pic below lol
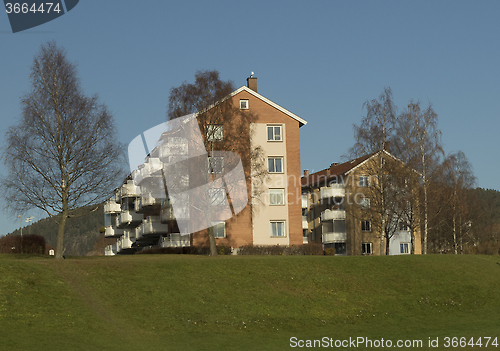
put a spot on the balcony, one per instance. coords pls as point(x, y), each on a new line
point(149, 169)
point(328, 215)
point(147, 203)
point(168, 215)
point(111, 206)
point(175, 240)
point(335, 237)
point(129, 189)
point(112, 232)
point(334, 190)
point(304, 201)
point(128, 219)
point(110, 250)
point(153, 227)
point(305, 225)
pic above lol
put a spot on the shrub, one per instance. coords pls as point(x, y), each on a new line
point(330, 251)
point(307, 249)
point(30, 244)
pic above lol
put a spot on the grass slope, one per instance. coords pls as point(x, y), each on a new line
point(178, 302)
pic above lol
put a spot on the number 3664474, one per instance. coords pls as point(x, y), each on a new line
point(17, 7)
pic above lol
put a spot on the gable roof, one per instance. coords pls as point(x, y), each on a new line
point(336, 170)
point(301, 121)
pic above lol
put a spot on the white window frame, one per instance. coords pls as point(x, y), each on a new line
point(217, 196)
point(244, 105)
point(404, 248)
point(367, 228)
point(369, 246)
point(275, 195)
point(211, 169)
point(364, 181)
point(365, 203)
point(215, 132)
point(216, 229)
point(277, 235)
point(403, 226)
point(274, 158)
point(275, 136)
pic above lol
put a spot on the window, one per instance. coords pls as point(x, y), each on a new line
point(274, 133)
point(364, 181)
point(365, 203)
point(244, 104)
point(304, 233)
point(277, 228)
point(404, 248)
point(404, 226)
point(217, 196)
point(216, 164)
point(219, 229)
point(366, 249)
point(340, 248)
point(275, 164)
point(276, 196)
point(215, 132)
point(366, 226)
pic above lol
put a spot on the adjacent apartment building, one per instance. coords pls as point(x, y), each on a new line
point(139, 217)
point(346, 207)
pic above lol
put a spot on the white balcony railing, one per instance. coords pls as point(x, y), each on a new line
point(110, 250)
point(175, 240)
point(328, 215)
point(151, 168)
point(152, 225)
point(113, 232)
point(128, 218)
point(304, 201)
point(334, 190)
point(305, 225)
point(129, 189)
point(334, 237)
point(111, 206)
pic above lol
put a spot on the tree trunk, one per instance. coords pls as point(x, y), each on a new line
point(60, 235)
point(211, 238)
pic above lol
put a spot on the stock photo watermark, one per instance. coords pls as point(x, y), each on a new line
point(28, 14)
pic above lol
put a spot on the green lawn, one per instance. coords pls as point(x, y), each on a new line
point(181, 302)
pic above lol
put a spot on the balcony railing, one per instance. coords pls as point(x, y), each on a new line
point(129, 219)
point(333, 237)
point(328, 215)
point(167, 213)
point(334, 190)
point(129, 189)
point(305, 225)
point(113, 232)
point(175, 240)
point(304, 201)
point(111, 206)
point(110, 250)
point(153, 226)
point(151, 168)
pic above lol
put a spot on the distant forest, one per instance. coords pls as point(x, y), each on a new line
point(81, 234)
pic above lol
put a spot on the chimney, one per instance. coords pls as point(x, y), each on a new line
point(252, 82)
point(306, 173)
point(387, 146)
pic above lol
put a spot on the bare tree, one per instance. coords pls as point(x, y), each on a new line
point(459, 179)
point(373, 135)
point(224, 127)
point(62, 154)
point(418, 143)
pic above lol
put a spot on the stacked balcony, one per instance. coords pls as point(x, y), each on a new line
point(334, 190)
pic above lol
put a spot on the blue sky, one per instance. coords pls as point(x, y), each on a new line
point(319, 59)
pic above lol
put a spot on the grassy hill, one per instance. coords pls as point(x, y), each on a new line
point(181, 302)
